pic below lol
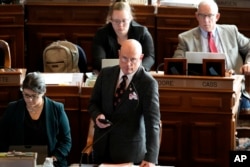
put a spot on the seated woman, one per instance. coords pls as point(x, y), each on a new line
point(120, 27)
point(36, 120)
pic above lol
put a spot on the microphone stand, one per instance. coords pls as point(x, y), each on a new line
point(159, 66)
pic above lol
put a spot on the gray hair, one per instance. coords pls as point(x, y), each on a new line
point(35, 82)
point(211, 3)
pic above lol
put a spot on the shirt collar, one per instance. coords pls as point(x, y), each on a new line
point(204, 33)
point(130, 76)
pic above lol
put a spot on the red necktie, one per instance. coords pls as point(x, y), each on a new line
point(120, 90)
point(211, 42)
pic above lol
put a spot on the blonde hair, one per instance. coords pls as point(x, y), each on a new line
point(119, 5)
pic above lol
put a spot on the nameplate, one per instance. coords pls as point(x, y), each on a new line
point(12, 76)
point(199, 82)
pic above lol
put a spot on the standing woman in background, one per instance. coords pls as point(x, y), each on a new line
point(120, 27)
point(36, 120)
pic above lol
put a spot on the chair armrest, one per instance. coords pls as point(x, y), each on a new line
point(87, 150)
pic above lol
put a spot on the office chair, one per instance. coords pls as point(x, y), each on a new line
point(5, 57)
point(87, 150)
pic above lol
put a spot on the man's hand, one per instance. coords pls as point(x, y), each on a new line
point(245, 69)
point(147, 164)
point(99, 124)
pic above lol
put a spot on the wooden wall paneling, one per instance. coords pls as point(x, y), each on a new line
point(85, 40)
point(171, 146)
point(145, 15)
point(205, 142)
point(170, 22)
point(236, 16)
point(12, 31)
point(74, 22)
point(43, 39)
point(8, 93)
point(69, 96)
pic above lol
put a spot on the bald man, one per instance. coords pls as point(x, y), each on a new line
point(133, 135)
point(227, 39)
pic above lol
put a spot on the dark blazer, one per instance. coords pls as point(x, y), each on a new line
point(134, 135)
point(57, 127)
point(105, 44)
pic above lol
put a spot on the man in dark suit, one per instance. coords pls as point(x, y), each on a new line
point(134, 133)
point(227, 40)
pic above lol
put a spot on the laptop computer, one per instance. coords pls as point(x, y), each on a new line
point(195, 60)
point(41, 150)
point(179, 3)
point(109, 62)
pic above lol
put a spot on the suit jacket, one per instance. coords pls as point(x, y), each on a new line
point(57, 128)
point(134, 135)
point(235, 45)
point(105, 44)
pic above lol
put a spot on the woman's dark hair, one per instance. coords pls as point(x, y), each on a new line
point(35, 82)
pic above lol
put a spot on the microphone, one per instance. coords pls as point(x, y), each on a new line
point(158, 67)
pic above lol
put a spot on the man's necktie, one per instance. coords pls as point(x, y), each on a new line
point(211, 43)
point(120, 90)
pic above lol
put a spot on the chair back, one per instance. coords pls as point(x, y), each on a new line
point(5, 57)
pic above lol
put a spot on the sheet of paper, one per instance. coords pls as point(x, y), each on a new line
point(117, 165)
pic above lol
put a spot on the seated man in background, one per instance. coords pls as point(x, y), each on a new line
point(227, 39)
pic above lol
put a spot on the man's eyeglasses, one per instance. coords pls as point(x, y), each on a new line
point(118, 22)
point(126, 60)
point(204, 16)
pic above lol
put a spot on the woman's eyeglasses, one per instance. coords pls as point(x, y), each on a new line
point(118, 22)
point(33, 96)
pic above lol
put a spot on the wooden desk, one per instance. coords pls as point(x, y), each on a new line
point(10, 82)
point(198, 123)
point(198, 119)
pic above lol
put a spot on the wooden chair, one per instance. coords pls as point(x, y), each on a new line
point(87, 150)
point(5, 57)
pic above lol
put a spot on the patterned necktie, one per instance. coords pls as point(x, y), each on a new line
point(120, 90)
point(211, 43)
